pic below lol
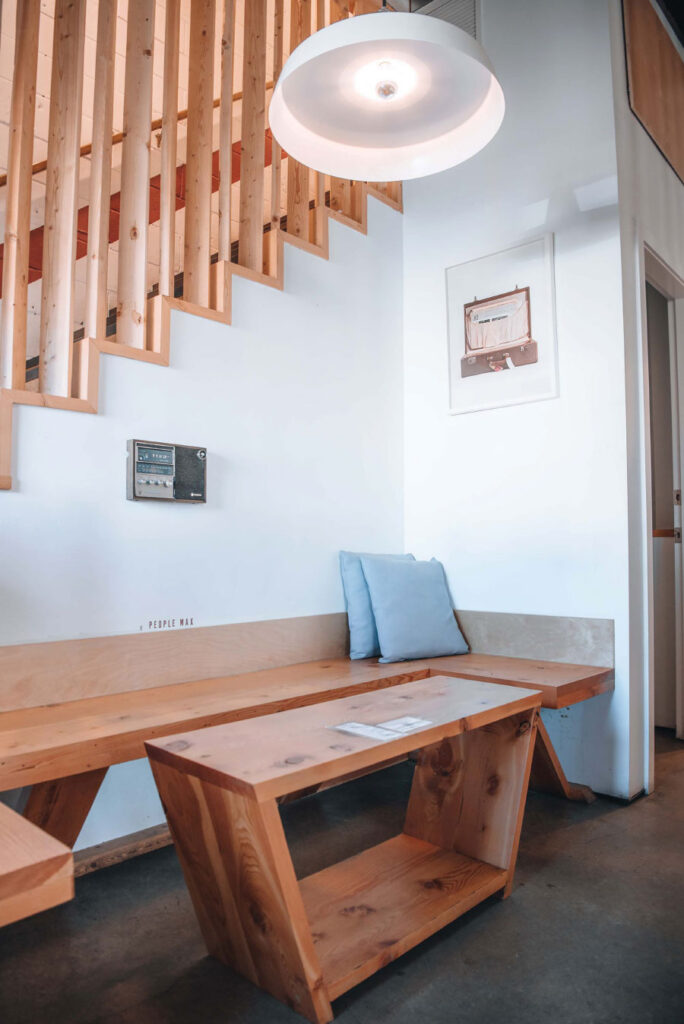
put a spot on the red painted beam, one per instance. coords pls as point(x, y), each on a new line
point(36, 238)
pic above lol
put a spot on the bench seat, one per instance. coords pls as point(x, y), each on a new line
point(55, 741)
point(36, 871)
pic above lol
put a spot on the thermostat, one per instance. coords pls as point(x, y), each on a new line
point(166, 472)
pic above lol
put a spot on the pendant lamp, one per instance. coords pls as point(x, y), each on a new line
point(386, 97)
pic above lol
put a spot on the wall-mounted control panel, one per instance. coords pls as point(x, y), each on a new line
point(166, 472)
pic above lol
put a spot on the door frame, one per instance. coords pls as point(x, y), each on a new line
point(658, 274)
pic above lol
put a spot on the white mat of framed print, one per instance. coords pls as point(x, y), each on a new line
point(502, 328)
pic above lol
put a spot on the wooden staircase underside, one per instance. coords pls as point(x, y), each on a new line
point(87, 352)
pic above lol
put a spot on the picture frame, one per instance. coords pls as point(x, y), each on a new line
point(501, 328)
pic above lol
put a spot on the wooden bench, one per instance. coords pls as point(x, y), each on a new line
point(64, 750)
point(36, 871)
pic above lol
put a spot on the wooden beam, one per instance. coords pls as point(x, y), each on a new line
point(61, 198)
point(135, 175)
point(226, 129)
point(199, 153)
point(169, 150)
point(298, 174)
point(97, 305)
point(60, 807)
point(15, 270)
point(251, 248)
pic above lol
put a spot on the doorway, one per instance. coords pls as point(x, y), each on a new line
point(665, 354)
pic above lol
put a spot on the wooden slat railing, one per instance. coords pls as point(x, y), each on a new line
point(169, 150)
point(61, 195)
point(265, 198)
point(199, 156)
point(15, 271)
point(253, 127)
point(135, 175)
point(100, 185)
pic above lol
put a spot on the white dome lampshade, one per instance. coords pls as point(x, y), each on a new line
point(386, 97)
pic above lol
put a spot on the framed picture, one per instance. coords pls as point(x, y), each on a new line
point(502, 328)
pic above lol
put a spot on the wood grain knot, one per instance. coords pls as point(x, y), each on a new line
point(493, 783)
point(523, 728)
point(361, 910)
point(434, 883)
point(292, 759)
point(259, 918)
point(178, 745)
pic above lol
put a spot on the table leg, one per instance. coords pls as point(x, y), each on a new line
point(468, 792)
point(238, 869)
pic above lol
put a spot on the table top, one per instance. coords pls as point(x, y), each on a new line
point(276, 754)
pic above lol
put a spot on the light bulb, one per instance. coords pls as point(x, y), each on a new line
point(385, 79)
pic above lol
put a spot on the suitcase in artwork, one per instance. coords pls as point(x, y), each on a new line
point(498, 334)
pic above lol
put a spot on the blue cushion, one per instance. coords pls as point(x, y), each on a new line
point(412, 608)
point(363, 636)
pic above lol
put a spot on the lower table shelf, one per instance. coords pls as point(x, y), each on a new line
point(366, 911)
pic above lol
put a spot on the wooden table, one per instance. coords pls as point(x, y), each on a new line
point(308, 941)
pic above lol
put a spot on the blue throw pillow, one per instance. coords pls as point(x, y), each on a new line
point(363, 636)
point(412, 608)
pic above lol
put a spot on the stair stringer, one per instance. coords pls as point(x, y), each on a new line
point(87, 352)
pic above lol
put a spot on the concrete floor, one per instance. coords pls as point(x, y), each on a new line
point(593, 933)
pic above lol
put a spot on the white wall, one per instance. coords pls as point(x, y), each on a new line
point(299, 404)
point(527, 505)
point(651, 213)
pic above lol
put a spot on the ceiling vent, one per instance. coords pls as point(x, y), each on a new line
point(461, 13)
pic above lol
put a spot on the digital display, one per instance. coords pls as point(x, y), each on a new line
point(156, 455)
point(146, 467)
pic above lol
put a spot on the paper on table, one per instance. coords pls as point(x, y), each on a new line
point(406, 724)
point(384, 730)
point(372, 732)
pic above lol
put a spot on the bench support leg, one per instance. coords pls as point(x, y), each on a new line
point(60, 806)
point(548, 775)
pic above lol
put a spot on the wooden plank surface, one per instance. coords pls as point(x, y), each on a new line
point(561, 684)
point(251, 248)
point(243, 887)
point(67, 670)
point(135, 176)
point(655, 72)
point(15, 269)
point(61, 195)
point(67, 737)
point(36, 871)
point(39, 744)
point(278, 754)
point(370, 909)
point(198, 164)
